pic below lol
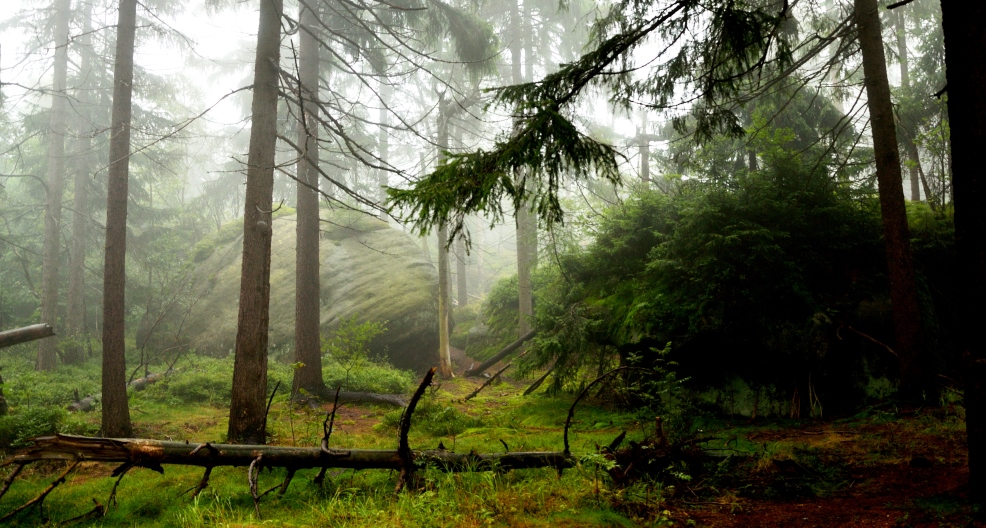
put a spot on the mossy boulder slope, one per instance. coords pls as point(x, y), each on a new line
point(369, 270)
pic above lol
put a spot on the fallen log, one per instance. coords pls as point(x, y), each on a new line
point(26, 334)
point(506, 351)
point(142, 383)
point(83, 405)
point(365, 397)
point(152, 454)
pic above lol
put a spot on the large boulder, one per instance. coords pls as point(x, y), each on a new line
point(369, 270)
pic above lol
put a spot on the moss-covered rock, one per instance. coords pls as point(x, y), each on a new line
point(368, 270)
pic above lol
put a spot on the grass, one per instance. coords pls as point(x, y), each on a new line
point(771, 467)
point(346, 498)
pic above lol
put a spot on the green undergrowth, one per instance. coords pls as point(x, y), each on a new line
point(742, 461)
point(499, 417)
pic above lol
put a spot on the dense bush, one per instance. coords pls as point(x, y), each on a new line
point(753, 277)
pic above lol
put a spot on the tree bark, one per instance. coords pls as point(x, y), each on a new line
point(75, 316)
point(307, 342)
point(47, 349)
point(116, 412)
point(248, 405)
point(915, 367)
point(963, 24)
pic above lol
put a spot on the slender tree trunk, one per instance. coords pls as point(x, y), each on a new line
point(383, 136)
point(526, 223)
point(444, 352)
point(444, 296)
point(307, 345)
point(963, 24)
point(247, 420)
point(644, 150)
point(461, 281)
point(905, 84)
point(47, 348)
point(75, 316)
point(915, 367)
point(116, 412)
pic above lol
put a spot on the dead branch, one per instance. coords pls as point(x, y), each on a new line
point(571, 410)
point(403, 449)
point(40, 498)
point(331, 420)
point(10, 479)
point(537, 383)
point(506, 351)
point(488, 382)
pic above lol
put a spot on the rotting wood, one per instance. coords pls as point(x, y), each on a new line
point(83, 405)
point(143, 383)
point(25, 334)
point(153, 454)
point(506, 351)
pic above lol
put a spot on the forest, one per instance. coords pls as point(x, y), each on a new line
point(492, 263)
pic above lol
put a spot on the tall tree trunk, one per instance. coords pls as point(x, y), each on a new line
point(444, 297)
point(47, 348)
point(75, 316)
point(644, 150)
point(915, 367)
point(116, 412)
point(247, 420)
point(905, 84)
point(461, 281)
point(963, 24)
point(307, 345)
point(526, 223)
point(383, 136)
point(444, 352)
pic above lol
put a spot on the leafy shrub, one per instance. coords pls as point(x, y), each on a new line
point(25, 387)
point(16, 429)
point(372, 377)
point(349, 346)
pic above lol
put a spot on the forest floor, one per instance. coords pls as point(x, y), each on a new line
point(884, 466)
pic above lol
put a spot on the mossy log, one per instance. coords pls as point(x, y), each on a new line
point(26, 334)
point(153, 454)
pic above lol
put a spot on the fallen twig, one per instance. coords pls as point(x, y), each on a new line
point(40, 498)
